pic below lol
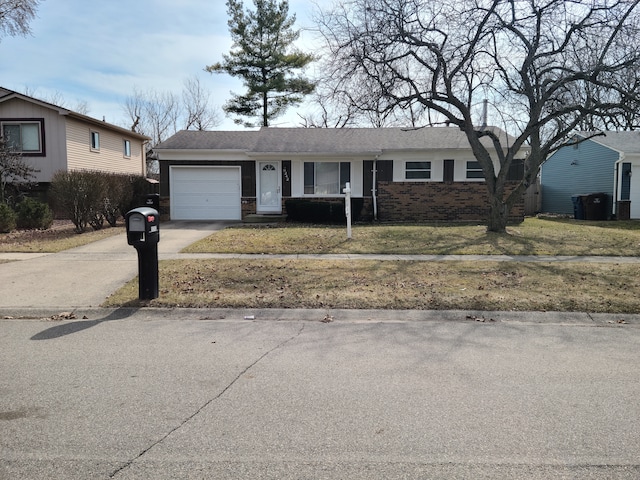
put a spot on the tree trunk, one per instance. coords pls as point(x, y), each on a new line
point(498, 215)
point(265, 110)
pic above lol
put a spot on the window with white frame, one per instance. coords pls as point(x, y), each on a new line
point(24, 137)
point(127, 148)
point(474, 170)
point(326, 178)
point(95, 140)
point(417, 170)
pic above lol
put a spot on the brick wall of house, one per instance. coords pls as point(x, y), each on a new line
point(419, 202)
point(248, 206)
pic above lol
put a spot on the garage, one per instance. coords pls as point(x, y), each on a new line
point(205, 193)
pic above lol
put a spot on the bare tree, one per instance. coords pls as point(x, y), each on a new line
point(153, 113)
point(15, 16)
point(57, 98)
point(539, 62)
point(198, 112)
point(161, 114)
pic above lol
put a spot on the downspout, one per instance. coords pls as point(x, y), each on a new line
point(616, 182)
point(373, 188)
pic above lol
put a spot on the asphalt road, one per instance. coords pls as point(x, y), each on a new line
point(158, 395)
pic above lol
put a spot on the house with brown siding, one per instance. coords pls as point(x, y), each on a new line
point(414, 175)
point(52, 138)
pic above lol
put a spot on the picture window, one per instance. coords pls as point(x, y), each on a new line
point(23, 137)
point(326, 178)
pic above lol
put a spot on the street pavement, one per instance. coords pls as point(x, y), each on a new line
point(197, 395)
point(301, 394)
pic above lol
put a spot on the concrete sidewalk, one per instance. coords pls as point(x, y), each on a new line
point(85, 276)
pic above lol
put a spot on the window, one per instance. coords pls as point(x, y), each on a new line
point(127, 148)
point(24, 137)
point(95, 140)
point(417, 170)
point(326, 178)
point(474, 170)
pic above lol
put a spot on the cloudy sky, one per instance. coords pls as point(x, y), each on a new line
point(99, 52)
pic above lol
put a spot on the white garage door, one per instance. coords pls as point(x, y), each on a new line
point(205, 193)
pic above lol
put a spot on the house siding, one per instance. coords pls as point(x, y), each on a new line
point(110, 157)
point(575, 170)
point(54, 136)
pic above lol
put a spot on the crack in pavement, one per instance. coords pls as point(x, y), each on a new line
point(206, 404)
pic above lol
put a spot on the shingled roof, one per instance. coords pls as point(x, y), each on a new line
point(627, 141)
point(333, 141)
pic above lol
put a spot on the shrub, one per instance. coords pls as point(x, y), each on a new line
point(79, 196)
point(318, 211)
point(34, 214)
point(7, 218)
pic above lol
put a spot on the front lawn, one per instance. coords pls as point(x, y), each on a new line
point(534, 236)
point(61, 236)
point(369, 284)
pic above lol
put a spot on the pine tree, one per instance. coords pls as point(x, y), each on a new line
point(263, 56)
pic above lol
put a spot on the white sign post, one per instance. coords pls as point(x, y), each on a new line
point(347, 207)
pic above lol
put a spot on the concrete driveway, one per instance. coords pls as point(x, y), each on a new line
point(85, 276)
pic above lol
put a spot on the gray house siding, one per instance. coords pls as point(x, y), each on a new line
point(577, 169)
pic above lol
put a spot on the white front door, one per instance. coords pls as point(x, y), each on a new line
point(269, 188)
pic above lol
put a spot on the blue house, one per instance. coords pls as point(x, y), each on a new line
point(600, 164)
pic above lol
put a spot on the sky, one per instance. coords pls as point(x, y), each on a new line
point(100, 52)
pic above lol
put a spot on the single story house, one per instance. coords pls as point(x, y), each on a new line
point(601, 164)
point(424, 174)
point(53, 138)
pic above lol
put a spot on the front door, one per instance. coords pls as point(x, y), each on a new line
point(269, 188)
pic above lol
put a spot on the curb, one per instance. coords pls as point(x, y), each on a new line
point(323, 315)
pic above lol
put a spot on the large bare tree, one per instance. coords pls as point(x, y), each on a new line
point(546, 65)
point(15, 16)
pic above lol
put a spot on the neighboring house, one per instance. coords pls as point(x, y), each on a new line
point(600, 164)
point(403, 175)
point(53, 138)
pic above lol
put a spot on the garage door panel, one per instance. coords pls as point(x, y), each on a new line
point(205, 193)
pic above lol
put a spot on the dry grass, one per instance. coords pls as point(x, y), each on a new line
point(393, 285)
point(56, 239)
point(533, 237)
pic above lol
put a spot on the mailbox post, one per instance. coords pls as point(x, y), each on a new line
point(143, 232)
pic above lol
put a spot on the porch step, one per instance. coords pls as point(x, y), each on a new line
point(264, 218)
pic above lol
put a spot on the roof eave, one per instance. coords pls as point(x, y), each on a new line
point(111, 126)
point(290, 153)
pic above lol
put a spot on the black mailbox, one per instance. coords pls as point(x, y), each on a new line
point(143, 226)
point(143, 232)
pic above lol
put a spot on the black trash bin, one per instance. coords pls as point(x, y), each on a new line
point(152, 200)
point(578, 206)
point(595, 206)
